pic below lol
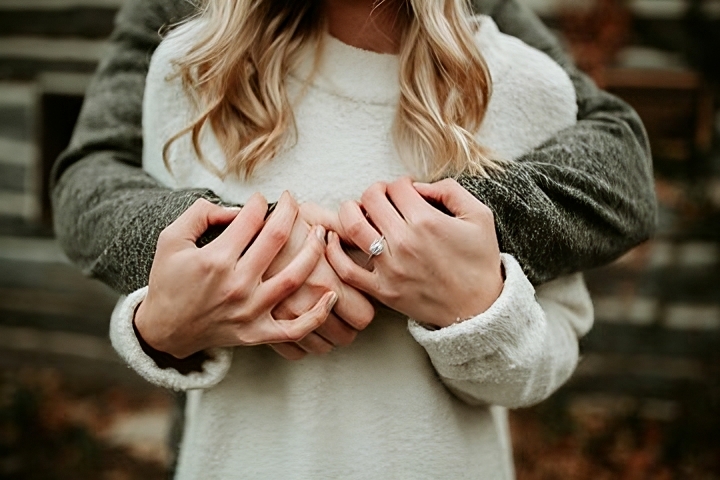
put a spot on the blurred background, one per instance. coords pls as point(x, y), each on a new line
point(645, 401)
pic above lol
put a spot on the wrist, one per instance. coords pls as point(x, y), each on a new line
point(477, 305)
point(190, 364)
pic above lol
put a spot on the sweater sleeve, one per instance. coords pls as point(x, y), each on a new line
point(108, 212)
point(124, 340)
point(589, 188)
point(522, 349)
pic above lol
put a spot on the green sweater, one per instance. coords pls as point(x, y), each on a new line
point(576, 202)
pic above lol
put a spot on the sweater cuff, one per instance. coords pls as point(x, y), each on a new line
point(510, 331)
point(126, 343)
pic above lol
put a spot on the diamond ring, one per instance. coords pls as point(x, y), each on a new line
point(377, 247)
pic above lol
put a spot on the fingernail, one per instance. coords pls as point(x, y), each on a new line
point(233, 209)
point(320, 233)
point(333, 300)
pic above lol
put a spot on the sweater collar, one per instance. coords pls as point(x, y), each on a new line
point(369, 77)
point(349, 72)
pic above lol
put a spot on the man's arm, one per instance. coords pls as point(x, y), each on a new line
point(108, 211)
point(584, 197)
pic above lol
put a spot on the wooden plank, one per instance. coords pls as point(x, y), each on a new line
point(29, 250)
point(654, 340)
point(98, 327)
point(13, 68)
point(86, 22)
point(671, 284)
point(82, 304)
point(17, 123)
point(13, 178)
point(643, 386)
point(66, 49)
point(17, 152)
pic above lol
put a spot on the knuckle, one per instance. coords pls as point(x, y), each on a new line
point(288, 283)
point(277, 236)
point(426, 222)
point(165, 237)
point(346, 273)
point(485, 212)
point(403, 245)
point(295, 336)
point(366, 319)
point(377, 188)
point(448, 183)
point(254, 216)
point(213, 261)
point(206, 264)
point(354, 229)
point(391, 295)
point(201, 203)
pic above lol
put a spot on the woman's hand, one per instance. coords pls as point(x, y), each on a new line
point(436, 268)
point(352, 312)
point(218, 296)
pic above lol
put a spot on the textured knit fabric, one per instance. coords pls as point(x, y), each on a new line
point(589, 188)
point(370, 410)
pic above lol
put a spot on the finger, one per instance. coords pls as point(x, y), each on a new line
point(289, 351)
point(407, 200)
point(449, 193)
point(336, 332)
point(190, 226)
point(315, 344)
point(238, 235)
point(353, 309)
point(357, 229)
point(348, 271)
point(293, 276)
point(381, 211)
point(314, 214)
point(272, 238)
point(297, 329)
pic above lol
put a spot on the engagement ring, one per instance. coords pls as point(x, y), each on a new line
point(377, 247)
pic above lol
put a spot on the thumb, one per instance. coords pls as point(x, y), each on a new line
point(196, 220)
point(451, 195)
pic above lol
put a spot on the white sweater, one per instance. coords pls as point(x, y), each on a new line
point(402, 401)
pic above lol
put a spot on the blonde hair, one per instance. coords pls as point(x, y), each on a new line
point(235, 74)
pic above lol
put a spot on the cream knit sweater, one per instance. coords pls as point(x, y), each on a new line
point(402, 401)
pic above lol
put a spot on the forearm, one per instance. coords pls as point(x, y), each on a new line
point(584, 197)
point(108, 216)
point(108, 212)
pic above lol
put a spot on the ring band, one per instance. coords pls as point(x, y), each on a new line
point(377, 247)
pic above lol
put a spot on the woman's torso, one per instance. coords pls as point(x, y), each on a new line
point(375, 409)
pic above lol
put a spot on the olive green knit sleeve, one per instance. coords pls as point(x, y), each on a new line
point(580, 200)
point(584, 197)
point(108, 212)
